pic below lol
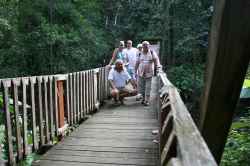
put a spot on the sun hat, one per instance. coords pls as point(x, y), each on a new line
point(139, 45)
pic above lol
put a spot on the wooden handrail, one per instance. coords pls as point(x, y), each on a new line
point(180, 142)
point(79, 94)
point(53, 99)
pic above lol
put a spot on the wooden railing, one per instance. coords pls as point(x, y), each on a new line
point(180, 142)
point(55, 101)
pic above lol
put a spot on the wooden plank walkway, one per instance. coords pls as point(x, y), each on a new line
point(115, 135)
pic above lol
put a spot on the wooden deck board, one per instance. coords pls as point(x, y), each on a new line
point(115, 135)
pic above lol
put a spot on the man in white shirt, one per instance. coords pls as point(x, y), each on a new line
point(117, 81)
point(131, 52)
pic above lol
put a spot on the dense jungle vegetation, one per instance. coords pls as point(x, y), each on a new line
point(43, 37)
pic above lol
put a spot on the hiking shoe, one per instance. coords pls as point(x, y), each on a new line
point(116, 102)
point(121, 100)
point(147, 103)
point(143, 101)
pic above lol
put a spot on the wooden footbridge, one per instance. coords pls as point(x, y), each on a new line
point(122, 135)
point(114, 135)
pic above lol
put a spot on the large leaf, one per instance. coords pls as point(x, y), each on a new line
point(246, 83)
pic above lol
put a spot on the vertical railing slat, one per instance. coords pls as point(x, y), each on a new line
point(104, 86)
point(87, 92)
point(80, 97)
point(24, 109)
point(100, 85)
point(50, 112)
point(74, 98)
point(56, 106)
point(95, 89)
point(107, 85)
point(9, 145)
point(71, 98)
point(67, 101)
point(45, 103)
point(91, 90)
point(84, 93)
point(33, 113)
point(16, 116)
point(77, 98)
point(40, 111)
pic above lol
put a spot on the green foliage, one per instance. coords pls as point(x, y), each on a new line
point(237, 149)
point(11, 102)
point(248, 72)
point(72, 128)
point(2, 125)
point(183, 78)
point(29, 160)
point(3, 137)
point(83, 33)
point(76, 37)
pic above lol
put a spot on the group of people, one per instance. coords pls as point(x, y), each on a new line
point(135, 66)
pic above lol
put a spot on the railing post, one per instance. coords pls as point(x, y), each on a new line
point(60, 109)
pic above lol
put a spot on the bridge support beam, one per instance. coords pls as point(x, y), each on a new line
point(226, 66)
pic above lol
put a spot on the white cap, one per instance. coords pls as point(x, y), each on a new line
point(139, 45)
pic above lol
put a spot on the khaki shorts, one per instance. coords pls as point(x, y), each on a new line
point(123, 90)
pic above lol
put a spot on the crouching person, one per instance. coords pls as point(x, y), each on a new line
point(117, 81)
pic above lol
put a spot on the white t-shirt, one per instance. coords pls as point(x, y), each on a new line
point(137, 53)
point(119, 79)
point(132, 56)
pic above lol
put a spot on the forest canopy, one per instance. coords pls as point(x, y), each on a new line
point(45, 37)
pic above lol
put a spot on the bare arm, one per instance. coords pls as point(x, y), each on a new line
point(128, 60)
point(111, 84)
point(132, 83)
point(113, 57)
point(157, 63)
point(136, 67)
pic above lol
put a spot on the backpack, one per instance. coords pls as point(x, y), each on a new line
point(150, 51)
